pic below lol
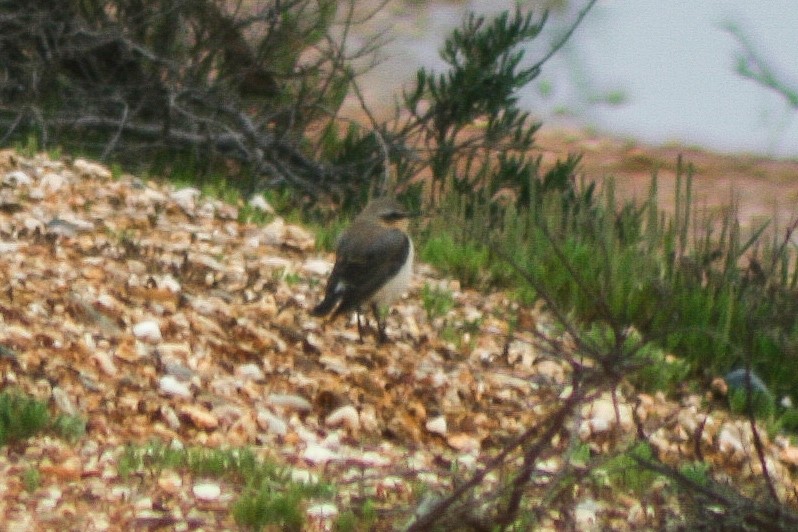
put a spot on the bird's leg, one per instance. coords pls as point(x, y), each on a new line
point(359, 326)
point(381, 336)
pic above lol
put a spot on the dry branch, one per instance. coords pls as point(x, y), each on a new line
point(218, 81)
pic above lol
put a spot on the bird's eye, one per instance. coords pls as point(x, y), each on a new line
point(392, 216)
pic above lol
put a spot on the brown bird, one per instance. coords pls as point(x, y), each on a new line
point(373, 263)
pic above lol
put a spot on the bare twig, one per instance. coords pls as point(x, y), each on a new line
point(565, 37)
point(751, 65)
point(697, 437)
point(556, 421)
point(757, 515)
point(210, 89)
point(760, 448)
point(112, 143)
point(13, 125)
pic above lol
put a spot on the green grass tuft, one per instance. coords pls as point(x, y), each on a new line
point(623, 472)
point(698, 472)
point(31, 479)
point(466, 261)
point(327, 234)
point(704, 296)
point(22, 417)
point(70, 428)
point(437, 302)
point(281, 508)
point(268, 495)
point(762, 403)
point(361, 519)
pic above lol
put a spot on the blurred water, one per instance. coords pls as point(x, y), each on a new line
point(658, 71)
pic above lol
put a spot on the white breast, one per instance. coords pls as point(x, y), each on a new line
point(393, 289)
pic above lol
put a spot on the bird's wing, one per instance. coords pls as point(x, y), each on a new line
point(365, 263)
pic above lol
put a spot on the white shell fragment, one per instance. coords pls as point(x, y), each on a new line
point(346, 415)
point(275, 233)
point(186, 198)
point(437, 425)
point(316, 454)
point(317, 267)
point(63, 401)
point(105, 363)
point(91, 169)
point(17, 178)
point(258, 202)
point(294, 402)
point(52, 182)
point(169, 385)
point(148, 331)
point(206, 491)
point(269, 422)
point(322, 511)
point(250, 371)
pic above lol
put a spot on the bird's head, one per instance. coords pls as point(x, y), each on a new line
point(387, 212)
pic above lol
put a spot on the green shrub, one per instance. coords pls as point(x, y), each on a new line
point(233, 93)
point(679, 280)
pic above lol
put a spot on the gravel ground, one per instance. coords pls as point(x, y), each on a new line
point(155, 315)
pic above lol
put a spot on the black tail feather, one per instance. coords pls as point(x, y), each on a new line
point(326, 306)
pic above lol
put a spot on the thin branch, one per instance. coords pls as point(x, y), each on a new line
point(557, 419)
point(386, 157)
point(565, 37)
point(760, 516)
point(760, 449)
point(552, 305)
point(751, 65)
point(115, 139)
point(12, 127)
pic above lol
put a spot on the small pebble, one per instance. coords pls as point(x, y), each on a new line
point(318, 267)
point(185, 197)
point(148, 331)
point(169, 385)
point(258, 202)
point(63, 401)
point(437, 425)
point(52, 182)
point(91, 169)
point(316, 454)
point(17, 178)
point(200, 417)
point(294, 402)
point(170, 482)
point(206, 491)
point(250, 371)
point(322, 511)
point(346, 415)
point(268, 421)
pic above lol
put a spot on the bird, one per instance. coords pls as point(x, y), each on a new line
point(373, 263)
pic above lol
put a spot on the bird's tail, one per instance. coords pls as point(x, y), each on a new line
point(327, 305)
